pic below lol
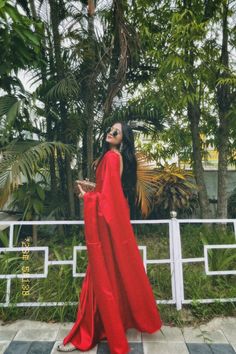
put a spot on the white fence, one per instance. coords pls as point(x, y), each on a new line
point(175, 251)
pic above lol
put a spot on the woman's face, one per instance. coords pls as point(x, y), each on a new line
point(117, 139)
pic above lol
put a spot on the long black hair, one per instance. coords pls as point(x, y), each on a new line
point(129, 174)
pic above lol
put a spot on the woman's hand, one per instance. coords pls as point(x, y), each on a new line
point(86, 185)
point(79, 190)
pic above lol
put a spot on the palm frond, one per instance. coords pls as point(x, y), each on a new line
point(23, 158)
point(10, 106)
point(172, 187)
point(65, 88)
point(146, 184)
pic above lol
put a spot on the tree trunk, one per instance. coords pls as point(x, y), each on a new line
point(118, 65)
point(223, 100)
point(55, 21)
point(70, 186)
point(91, 89)
point(35, 235)
point(90, 137)
point(194, 114)
point(47, 104)
point(194, 117)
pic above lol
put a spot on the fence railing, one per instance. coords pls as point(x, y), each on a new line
point(175, 259)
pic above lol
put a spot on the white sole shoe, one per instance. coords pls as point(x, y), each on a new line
point(65, 348)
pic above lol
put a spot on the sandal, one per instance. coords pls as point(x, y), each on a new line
point(65, 348)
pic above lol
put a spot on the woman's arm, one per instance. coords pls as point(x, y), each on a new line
point(121, 162)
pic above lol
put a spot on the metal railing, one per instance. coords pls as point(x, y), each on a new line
point(175, 260)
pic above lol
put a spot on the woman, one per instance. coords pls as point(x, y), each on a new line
point(116, 293)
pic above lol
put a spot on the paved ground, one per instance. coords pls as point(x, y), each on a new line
point(33, 337)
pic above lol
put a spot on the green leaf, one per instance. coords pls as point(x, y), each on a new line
point(6, 102)
point(40, 192)
point(4, 239)
point(34, 38)
point(12, 113)
point(38, 206)
point(2, 3)
point(13, 13)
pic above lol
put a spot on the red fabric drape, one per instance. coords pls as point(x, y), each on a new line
point(116, 293)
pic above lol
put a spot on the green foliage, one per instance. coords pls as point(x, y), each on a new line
point(19, 43)
point(227, 81)
point(65, 88)
point(24, 158)
point(10, 107)
point(222, 259)
point(29, 199)
point(173, 188)
point(48, 289)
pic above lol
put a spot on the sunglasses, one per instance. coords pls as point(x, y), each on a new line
point(114, 133)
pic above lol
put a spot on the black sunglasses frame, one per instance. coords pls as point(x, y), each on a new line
point(115, 133)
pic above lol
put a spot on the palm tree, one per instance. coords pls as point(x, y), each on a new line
point(24, 159)
point(173, 188)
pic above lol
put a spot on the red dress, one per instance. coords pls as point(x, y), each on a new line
point(116, 293)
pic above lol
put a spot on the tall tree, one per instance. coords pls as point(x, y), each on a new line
point(56, 9)
point(173, 43)
point(224, 100)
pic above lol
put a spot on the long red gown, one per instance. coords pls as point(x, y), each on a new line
point(116, 293)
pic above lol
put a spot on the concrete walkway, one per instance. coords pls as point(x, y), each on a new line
point(33, 337)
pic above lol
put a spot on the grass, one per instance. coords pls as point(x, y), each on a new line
point(61, 286)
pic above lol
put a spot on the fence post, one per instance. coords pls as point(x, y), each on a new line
point(177, 255)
